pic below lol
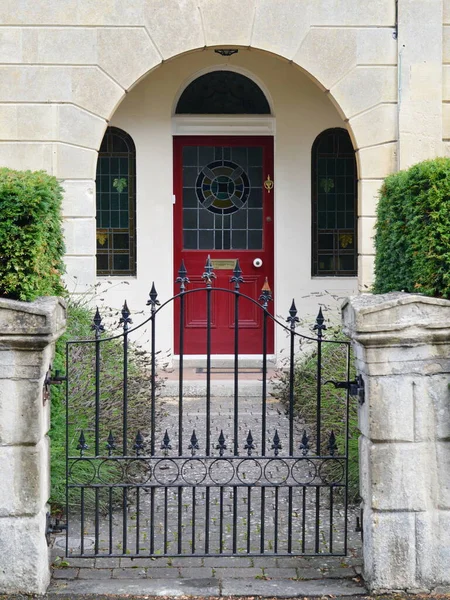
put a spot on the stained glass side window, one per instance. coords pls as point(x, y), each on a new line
point(222, 198)
point(223, 93)
point(334, 201)
point(116, 204)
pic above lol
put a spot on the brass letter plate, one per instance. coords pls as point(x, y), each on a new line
point(223, 264)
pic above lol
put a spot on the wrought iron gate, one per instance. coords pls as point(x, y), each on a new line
point(237, 476)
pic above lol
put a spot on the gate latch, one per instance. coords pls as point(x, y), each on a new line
point(355, 387)
point(51, 379)
point(53, 526)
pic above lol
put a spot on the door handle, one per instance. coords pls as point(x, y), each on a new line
point(257, 263)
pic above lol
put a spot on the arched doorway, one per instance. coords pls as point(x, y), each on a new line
point(223, 188)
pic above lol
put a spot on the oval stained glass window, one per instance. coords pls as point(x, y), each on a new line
point(222, 187)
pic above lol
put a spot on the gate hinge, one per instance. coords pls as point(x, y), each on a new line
point(355, 387)
point(53, 526)
point(51, 379)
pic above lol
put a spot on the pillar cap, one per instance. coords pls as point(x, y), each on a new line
point(31, 324)
point(397, 318)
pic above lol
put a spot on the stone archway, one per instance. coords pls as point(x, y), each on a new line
point(82, 70)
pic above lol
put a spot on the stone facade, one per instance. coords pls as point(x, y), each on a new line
point(402, 347)
point(27, 333)
point(65, 70)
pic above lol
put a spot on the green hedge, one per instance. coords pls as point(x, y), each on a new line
point(31, 238)
point(412, 238)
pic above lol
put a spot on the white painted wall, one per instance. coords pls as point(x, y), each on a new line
point(302, 111)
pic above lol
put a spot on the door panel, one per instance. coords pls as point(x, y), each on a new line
point(222, 209)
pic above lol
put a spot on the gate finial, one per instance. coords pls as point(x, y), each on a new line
point(97, 324)
point(320, 326)
point(111, 444)
point(193, 446)
point(166, 443)
point(237, 278)
point(153, 301)
point(139, 443)
point(249, 446)
point(125, 319)
point(182, 278)
point(292, 318)
point(82, 446)
point(266, 294)
point(221, 446)
point(209, 274)
point(276, 446)
point(304, 445)
point(332, 446)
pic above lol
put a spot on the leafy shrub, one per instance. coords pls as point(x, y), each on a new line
point(333, 402)
point(81, 413)
point(412, 238)
point(31, 239)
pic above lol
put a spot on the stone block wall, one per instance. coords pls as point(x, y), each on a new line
point(402, 348)
point(64, 71)
point(27, 335)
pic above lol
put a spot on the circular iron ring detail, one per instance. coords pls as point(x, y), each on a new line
point(166, 464)
point(138, 471)
point(113, 471)
point(224, 468)
point(198, 471)
point(252, 477)
point(332, 471)
point(88, 477)
point(273, 471)
point(304, 471)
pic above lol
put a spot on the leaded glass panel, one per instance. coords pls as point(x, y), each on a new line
point(115, 197)
point(222, 198)
point(223, 92)
point(334, 189)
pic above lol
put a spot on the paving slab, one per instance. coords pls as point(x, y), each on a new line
point(141, 587)
point(65, 574)
point(94, 574)
point(290, 589)
point(129, 573)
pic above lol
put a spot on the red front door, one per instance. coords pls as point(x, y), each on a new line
point(223, 209)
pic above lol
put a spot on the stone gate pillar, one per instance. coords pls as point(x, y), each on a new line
point(27, 335)
point(402, 349)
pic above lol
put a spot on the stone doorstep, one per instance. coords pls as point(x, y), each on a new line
point(207, 587)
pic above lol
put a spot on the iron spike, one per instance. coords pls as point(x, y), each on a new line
point(166, 443)
point(182, 278)
point(111, 444)
point(97, 323)
point(125, 319)
point(209, 274)
point(153, 301)
point(276, 446)
point(82, 446)
point(237, 278)
point(249, 446)
point(266, 294)
point(139, 444)
point(304, 445)
point(292, 318)
point(320, 326)
point(332, 446)
point(221, 446)
point(193, 446)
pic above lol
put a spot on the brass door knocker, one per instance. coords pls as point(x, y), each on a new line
point(268, 184)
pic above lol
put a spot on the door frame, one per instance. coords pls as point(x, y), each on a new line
point(269, 232)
